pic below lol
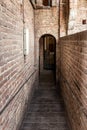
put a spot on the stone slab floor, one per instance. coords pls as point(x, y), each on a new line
point(46, 111)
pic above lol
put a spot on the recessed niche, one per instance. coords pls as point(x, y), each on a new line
point(84, 21)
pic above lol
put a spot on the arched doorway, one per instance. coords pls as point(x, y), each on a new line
point(47, 54)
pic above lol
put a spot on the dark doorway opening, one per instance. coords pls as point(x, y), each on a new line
point(49, 52)
point(47, 55)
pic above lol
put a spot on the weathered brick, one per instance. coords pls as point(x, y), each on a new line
point(74, 78)
point(14, 72)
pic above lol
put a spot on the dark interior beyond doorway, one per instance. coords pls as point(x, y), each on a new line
point(47, 2)
point(47, 55)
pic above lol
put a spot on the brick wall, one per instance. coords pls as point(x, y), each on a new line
point(72, 15)
point(74, 78)
point(17, 73)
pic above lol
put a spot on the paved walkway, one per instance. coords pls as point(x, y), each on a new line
point(46, 111)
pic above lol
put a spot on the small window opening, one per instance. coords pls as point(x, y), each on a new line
point(47, 2)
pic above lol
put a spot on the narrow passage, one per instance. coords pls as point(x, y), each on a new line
point(46, 111)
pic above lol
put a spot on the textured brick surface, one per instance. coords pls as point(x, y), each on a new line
point(74, 78)
point(72, 14)
point(14, 68)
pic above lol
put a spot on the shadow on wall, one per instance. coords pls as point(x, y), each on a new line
point(64, 16)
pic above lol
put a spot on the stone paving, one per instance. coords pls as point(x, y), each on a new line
point(46, 111)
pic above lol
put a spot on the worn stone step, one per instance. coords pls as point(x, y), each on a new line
point(45, 119)
point(46, 100)
point(46, 114)
point(45, 126)
point(46, 108)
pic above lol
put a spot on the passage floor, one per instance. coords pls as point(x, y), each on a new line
point(46, 111)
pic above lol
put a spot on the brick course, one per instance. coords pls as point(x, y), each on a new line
point(74, 78)
point(15, 69)
point(72, 14)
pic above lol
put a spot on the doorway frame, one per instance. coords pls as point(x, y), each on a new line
point(43, 52)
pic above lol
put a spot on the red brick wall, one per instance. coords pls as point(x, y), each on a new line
point(15, 70)
point(74, 78)
point(72, 14)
